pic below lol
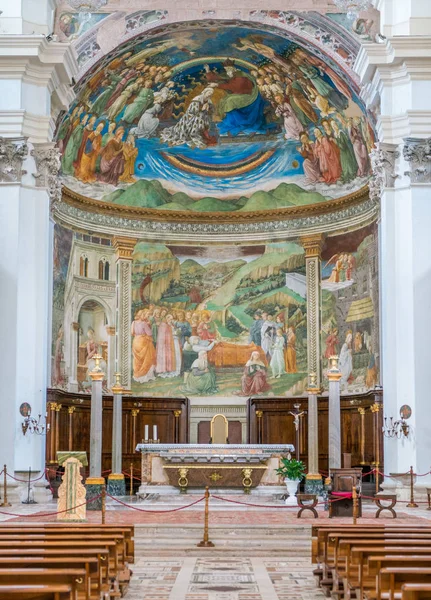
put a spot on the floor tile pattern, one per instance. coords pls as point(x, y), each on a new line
point(215, 578)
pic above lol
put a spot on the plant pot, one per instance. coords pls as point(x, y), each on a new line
point(292, 486)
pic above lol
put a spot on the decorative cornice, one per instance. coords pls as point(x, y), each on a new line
point(12, 154)
point(48, 163)
point(349, 218)
point(418, 154)
point(149, 214)
point(383, 161)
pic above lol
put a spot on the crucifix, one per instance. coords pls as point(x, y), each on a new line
point(297, 422)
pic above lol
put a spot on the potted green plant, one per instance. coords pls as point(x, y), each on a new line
point(292, 471)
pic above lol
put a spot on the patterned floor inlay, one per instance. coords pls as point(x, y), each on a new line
point(214, 578)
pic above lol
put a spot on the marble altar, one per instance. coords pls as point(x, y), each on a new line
point(173, 468)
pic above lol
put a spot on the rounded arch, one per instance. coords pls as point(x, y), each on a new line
point(98, 300)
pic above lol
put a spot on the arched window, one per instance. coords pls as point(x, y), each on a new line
point(83, 266)
point(104, 269)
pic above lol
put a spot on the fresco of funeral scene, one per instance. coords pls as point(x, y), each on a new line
point(220, 321)
point(215, 119)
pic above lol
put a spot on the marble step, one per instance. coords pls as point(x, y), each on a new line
point(300, 533)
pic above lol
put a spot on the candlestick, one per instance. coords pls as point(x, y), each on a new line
point(146, 432)
point(155, 432)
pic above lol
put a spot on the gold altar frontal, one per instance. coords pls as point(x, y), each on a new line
point(228, 466)
point(231, 476)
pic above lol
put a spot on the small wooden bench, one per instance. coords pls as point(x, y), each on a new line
point(22, 591)
point(303, 499)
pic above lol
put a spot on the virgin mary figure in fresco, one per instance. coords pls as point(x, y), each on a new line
point(242, 109)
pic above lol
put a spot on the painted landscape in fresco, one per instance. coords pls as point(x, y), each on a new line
point(215, 118)
point(218, 321)
point(350, 320)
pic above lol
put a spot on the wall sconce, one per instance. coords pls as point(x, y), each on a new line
point(399, 428)
point(30, 424)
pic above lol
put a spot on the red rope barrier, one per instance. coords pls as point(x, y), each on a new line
point(51, 513)
point(129, 475)
point(155, 511)
point(26, 480)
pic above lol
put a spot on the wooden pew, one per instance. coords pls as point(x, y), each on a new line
point(18, 591)
point(335, 556)
point(392, 579)
point(416, 591)
point(90, 564)
point(75, 578)
point(82, 528)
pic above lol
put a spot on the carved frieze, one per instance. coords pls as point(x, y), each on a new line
point(12, 155)
point(418, 154)
point(383, 164)
point(48, 163)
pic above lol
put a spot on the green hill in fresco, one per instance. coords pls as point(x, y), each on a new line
point(147, 194)
point(214, 205)
point(152, 194)
point(191, 266)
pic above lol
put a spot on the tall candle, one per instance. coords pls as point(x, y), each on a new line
point(146, 433)
point(155, 433)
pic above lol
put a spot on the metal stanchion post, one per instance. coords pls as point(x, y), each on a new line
point(103, 504)
point(412, 503)
point(355, 504)
point(131, 479)
point(377, 477)
point(5, 502)
point(205, 543)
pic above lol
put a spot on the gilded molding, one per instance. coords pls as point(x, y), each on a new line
point(124, 247)
point(150, 214)
point(312, 245)
point(417, 153)
point(12, 154)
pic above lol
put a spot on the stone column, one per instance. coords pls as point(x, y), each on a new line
point(394, 77)
point(95, 482)
point(313, 481)
point(124, 248)
point(116, 482)
point(313, 246)
point(334, 415)
point(110, 330)
point(72, 385)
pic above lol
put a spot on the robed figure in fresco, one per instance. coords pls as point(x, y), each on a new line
point(144, 352)
point(241, 110)
point(253, 380)
point(201, 380)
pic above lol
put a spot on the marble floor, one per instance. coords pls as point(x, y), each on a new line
point(219, 578)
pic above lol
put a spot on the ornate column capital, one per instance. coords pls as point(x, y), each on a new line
point(312, 245)
point(124, 247)
point(13, 151)
point(383, 159)
point(48, 163)
point(417, 152)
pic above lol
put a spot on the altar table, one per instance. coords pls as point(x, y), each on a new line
point(184, 466)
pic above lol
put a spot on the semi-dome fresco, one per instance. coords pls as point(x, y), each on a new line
point(215, 117)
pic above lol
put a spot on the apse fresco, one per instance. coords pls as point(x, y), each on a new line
point(73, 25)
point(219, 321)
point(350, 304)
point(215, 118)
point(61, 253)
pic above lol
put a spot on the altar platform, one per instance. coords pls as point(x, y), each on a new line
point(175, 468)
